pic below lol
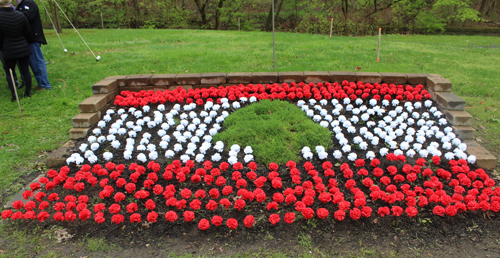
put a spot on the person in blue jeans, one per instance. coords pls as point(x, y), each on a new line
point(37, 62)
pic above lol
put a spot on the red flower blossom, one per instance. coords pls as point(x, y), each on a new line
point(18, 205)
point(273, 167)
point(204, 224)
point(339, 215)
point(232, 223)
point(384, 211)
point(216, 220)
point(239, 204)
point(6, 214)
point(252, 165)
point(322, 213)
point(188, 216)
point(359, 162)
point(248, 221)
point(274, 218)
point(436, 160)
point(117, 219)
point(225, 202)
point(308, 213)
point(171, 216)
point(152, 217)
point(211, 205)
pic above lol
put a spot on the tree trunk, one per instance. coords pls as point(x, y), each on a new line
point(492, 7)
point(218, 23)
point(483, 5)
point(201, 8)
point(375, 4)
point(54, 12)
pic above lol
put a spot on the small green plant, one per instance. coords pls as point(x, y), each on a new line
point(305, 240)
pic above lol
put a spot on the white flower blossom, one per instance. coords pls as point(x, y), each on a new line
point(115, 144)
point(404, 146)
point(398, 152)
point(94, 146)
point(322, 155)
point(107, 156)
point(383, 151)
point(443, 121)
point(346, 148)
point(252, 99)
point(343, 142)
point(423, 153)
point(307, 155)
point(248, 158)
point(363, 145)
point(300, 103)
point(351, 129)
point(83, 147)
point(243, 99)
point(352, 156)
point(324, 124)
point(233, 153)
point(184, 158)
point(471, 159)
point(305, 149)
point(92, 159)
point(216, 157)
point(410, 153)
point(312, 101)
point(349, 108)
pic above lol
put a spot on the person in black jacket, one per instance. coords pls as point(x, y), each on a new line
point(37, 62)
point(15, 32)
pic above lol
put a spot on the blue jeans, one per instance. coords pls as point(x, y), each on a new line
point(37, 64)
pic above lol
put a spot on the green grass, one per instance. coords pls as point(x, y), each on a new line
point(469, 62)
point(276, 130)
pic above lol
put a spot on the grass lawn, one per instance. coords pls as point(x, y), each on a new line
point(470, 62)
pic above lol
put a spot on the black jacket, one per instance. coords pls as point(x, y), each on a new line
point(30, 9)
point(14, 34)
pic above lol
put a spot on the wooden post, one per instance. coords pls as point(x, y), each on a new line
point(331, 28)
point(274, 52)
point(238, 24)
point(379, 36)
point(102, 21)
point(15, 92)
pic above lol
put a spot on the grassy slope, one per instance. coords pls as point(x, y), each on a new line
point(470, 62)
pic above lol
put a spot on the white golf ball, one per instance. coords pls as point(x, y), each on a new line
point(98, 58)
point(65, 50)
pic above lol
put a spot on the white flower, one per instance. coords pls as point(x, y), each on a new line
point(141, 147)
point(343, 142)
point(208, 138)
point(219, 119)
point(181, 139)
point(404, 145)
point(106, 118)
point(101, 139)
point(307, 155)
point(153, 155)
point(363, 145)
point(169, 154)
point(177, 107)
point(312, 101)
point(161, 107)
point(471, 159)
point(323, 102)
point(248, 150)
point(316, 118)
point(252, 99)
point(129, 147)
point(423, 153)
point(305, 149)
point(151, 124)
point(232, 160)
point(357, 140)
point(184, 158)
point(443, 121)
point(138, 114)
point(346, 148)
point(393, 144)
point(337, 154)
point(410, 153)
point(346, 101)
point(248, 158)
point(409, 138)
point(335, 102)
point(373, 102)
point(415, 115)
point(375, 141)
point(212, 132)
point(163, 144)
point(324, 124)
point(236, 105)
point(115, 144)
point(352, 156)
point(127, 154)
point(121, 111)
point(79, 160)
point(370, 155)
point(310, 113)
point(300, 103)
point(398, 152)
point(322, 155)
point(319, 148)
point(94, 146)
point(101, 124)
point(335, 112)
point(233, 153)
point(304, 108)
point(70, 160)
point(195, 139)
point(96, 131)
point(428, 103)
point(219, 146)
point(449, 155)
point(354, 119)
point(107, 155)
point(383, 151)
point(216, 157)
point(111, 138)
point(370, 124)
point(243, 99)
point(151, 147)
point(83, 147)
point(462, 146)
point(92, 159)
point(226, 105)
point(177, 147)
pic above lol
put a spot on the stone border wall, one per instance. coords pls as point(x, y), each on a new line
point(107, 89)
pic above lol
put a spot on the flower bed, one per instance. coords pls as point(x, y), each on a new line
point(153, 158)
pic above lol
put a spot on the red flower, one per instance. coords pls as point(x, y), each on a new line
point(186, 193)
point(366, 211)
point(307, 213)
point(68, 216)
point(274, 218)
point(436, 160)
point(237, 166)
point(273, 167)
point(211, 205)
point(339, 215)
point(322, 213)
point(136, 217)
point(150, 204)
point(216, 220)
point(383, 211)
point(272, 205)
point(30, 205)
point(171, 216)
point(248, 221)
point(355, 213)
point(39, 196)
point(130, 187)
point(18, 205)
point(214, 193)
point(141, 194)
point(375, 162)
point(188, 216)
point(53, 197)
point(117, 218)
point(152, 217)
point(114, 208)
point(276, 183)
point(119, 197)
point(195, 204)
point(359, 162)
point(6, 214)
point(27, 194)
point(438, 210)
point(252, 165)
point(397, 211)
point(35, 186)
point(239, 204)
point(84, 215)
point(232, 223)
point(204, 224)
point(131, 207)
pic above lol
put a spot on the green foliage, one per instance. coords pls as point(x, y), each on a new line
point(430, 23)
point(455, 10)
point(276, 131)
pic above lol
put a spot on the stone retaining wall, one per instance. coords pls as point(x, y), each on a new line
point(107, 89)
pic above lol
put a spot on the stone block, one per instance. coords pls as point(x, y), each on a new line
point(85, 120)
point(163, 79)
point(484, 158)
point(93, 103)
point(131, 88)
point(450, 101)
point(394, 78)
point(237, 78)
point(316, 77)
point(438, 84)
point(120, 80)
point(465, 132)
point(188, 79)
point(213, 78)
point(369, 77)
point(265, 78)
point(341, 76)
point(105, 86)
point(155, 88)
point(289, 77)
point(459, 118)
point(57, 157)
point(207, 86)
point(139, 80)
point(417, 78)
point(186, 87)
point(78, 133)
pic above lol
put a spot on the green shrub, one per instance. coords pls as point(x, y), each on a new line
point(276, 131)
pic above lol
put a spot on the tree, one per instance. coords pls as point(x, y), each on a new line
point(277, 6)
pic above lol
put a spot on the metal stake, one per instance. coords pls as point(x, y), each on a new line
point(15, 91)
point(274, 51)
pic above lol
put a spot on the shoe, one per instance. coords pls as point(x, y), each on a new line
point(27, 94)
point(20, 86)
point(13, 99)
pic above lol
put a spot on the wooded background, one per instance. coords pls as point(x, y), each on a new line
point(350, 17)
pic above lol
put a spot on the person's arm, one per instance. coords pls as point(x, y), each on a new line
point(27, 30)
point(29, 9)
